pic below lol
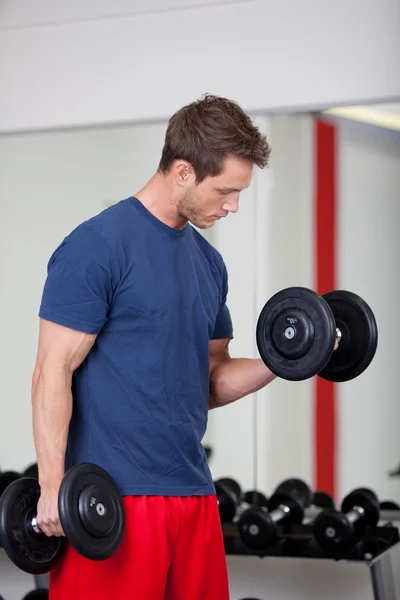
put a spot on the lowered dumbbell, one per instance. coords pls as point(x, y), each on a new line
point(297, 330)
point(91, 514)
point(229, 497)
point(336, 530)
point(257, 525)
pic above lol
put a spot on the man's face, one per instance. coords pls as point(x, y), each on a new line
point(215, 197)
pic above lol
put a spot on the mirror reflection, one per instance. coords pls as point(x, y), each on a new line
point(322, 215)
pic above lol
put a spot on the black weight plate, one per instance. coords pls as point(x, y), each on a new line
point(389, 505)
point(233, 486)
point(295, 515)
point(366, 499)
point(322, 499)
point(297, 488)
point(227, 501)
point(256, 528)
point(255, 498)
point(357, 347)
point(296, 333)
point(6, 478)
point(34, 553)
point(91, 511)
point(32, 471)
point(332, 531)
point(39, 594)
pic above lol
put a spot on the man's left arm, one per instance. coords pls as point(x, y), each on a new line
point(234, 378)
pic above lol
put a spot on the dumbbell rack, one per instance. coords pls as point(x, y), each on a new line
point(296, 541)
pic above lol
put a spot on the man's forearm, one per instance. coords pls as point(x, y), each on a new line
point(52, 410)
point(234, 378)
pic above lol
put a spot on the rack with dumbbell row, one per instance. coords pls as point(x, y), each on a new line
point(274, 535)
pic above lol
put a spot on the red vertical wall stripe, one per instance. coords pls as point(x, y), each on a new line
point(325, 189)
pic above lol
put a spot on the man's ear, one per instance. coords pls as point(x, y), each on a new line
point(184, 173)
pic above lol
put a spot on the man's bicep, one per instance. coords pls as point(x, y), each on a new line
point(61, 346)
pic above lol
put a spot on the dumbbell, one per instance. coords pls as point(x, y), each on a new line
point(255, 498)
point(91, 514)
point(8, 477)
point(257, 525)
point(336, 530)
point(322, 499)
point(209, 452)
point(297, 330)
point(229, 497)
point(40, 594)
point(32, 471)
point(389, 505)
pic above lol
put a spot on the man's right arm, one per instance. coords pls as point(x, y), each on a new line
point(60, 351)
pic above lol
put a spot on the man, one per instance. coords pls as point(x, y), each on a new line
point(134, 350)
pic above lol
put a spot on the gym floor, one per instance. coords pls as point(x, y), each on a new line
point(264, 579)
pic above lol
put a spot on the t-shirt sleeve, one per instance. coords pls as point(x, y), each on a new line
point(80, 280)
point(223, 325)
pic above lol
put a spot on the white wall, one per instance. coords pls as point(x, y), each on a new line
point(83, 62)
point(369, 264)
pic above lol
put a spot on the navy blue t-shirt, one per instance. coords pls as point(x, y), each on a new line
point(155, 296)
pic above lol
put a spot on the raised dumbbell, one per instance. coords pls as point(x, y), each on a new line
point(257, 525)
point(229, 497)
point(336, 530)
point(297, 330)
point(91, 514)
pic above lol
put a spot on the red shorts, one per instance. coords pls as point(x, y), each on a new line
point(172, 550)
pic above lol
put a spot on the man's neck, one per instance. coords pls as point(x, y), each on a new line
point(158, 197)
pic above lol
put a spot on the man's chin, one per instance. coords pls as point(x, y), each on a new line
point(202, 224)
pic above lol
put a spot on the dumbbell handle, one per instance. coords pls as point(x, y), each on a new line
point(355, 514)
point(279, 513)
point(35, 526)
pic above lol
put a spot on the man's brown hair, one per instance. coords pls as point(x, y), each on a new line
point(207, 131)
